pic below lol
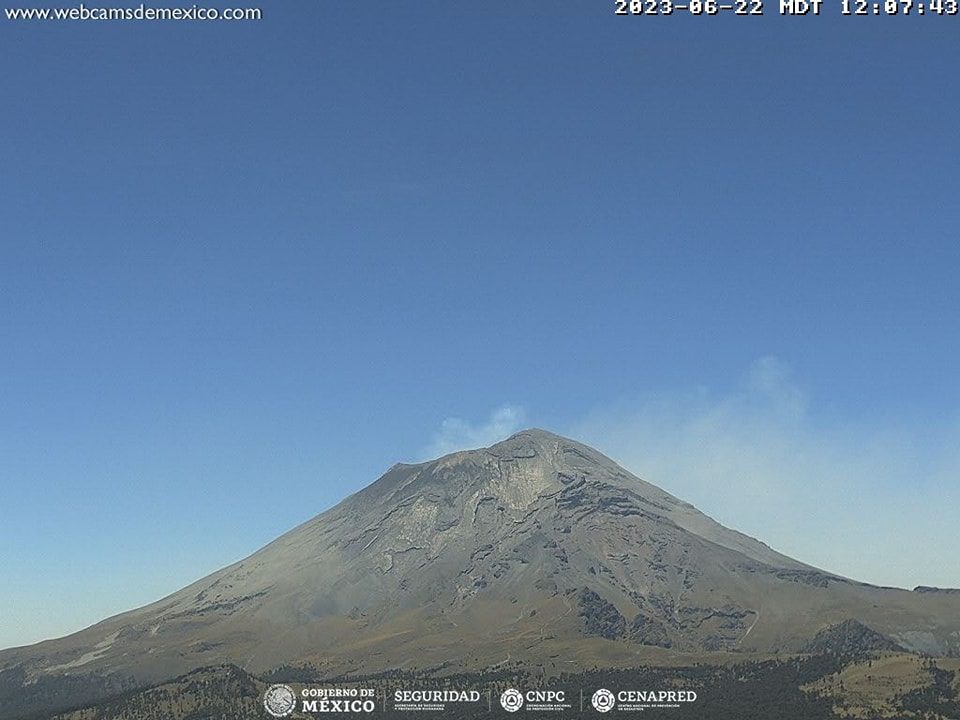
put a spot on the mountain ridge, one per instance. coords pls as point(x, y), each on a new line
point(534, 547)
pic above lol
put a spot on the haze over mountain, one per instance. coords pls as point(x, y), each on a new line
point(534, 549)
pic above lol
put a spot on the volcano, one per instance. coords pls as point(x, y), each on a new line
point(535, 549)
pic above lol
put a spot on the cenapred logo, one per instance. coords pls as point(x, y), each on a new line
point(511, 700)
point(279, 700)
point(603, 700)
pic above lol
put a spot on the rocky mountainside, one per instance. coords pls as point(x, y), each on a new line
point(537, 550)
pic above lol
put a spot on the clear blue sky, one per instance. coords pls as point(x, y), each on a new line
point(246, 267)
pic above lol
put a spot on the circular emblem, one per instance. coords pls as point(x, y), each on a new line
point(279, 700)
point(603, 700)
point(511, 700)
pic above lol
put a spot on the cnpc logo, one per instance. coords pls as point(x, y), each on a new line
point(512, 699)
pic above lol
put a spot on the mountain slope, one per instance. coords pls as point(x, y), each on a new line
point(536, 547)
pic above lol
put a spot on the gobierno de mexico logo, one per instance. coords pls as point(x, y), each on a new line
point(279, 700)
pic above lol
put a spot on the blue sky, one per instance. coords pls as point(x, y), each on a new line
point(244, 268)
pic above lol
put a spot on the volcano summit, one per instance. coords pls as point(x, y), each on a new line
point(533, 549)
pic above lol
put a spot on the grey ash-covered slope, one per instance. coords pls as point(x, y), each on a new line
point(535, 548)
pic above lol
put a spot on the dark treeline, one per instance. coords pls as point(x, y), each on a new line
point(757, 690)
